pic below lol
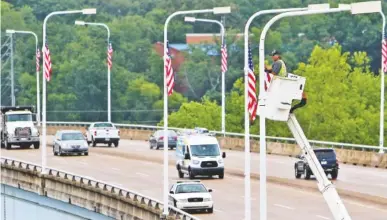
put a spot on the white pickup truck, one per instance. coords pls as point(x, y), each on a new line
point(103, 132)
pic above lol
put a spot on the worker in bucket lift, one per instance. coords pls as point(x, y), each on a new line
point(279, 68)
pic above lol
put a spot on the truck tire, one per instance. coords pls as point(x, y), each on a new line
point(334, 174)
point(181, 174)
point(221, 175)
point(93, 142)
point(307, 174)
point(296, 173)
point(109, 144)
point(36, 145)
point(116, 143)
point(190, 174)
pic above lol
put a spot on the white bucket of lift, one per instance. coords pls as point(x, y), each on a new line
point(280, 95)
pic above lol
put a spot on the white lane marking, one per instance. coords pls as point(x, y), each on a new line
point(116, 169)
point(365, 206)
point(217, 210)
point(284, 206)
point(142, 174)
point(323, 217)
point(251, 198)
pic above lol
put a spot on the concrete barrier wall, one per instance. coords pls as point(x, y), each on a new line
point(355, 157)
point(89, 194)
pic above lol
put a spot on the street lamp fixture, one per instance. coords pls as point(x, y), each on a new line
point(8, 31)
point(80, 23)
point(189, 19)
point(222, 10)
point(89, 11)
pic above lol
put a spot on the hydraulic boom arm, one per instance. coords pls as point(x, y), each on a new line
point(325, 186)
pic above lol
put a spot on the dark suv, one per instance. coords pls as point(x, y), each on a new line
point(327, 159)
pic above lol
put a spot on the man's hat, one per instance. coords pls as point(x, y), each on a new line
point(275, 52)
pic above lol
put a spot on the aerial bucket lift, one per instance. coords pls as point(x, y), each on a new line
point(279, 96)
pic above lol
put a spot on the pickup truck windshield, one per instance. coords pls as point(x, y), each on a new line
point(72, 136)
point(190, 188)
point(205, 150)
point(19, 117)
point(103, 125)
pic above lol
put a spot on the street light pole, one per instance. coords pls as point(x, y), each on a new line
point(108, 77)
point(381, 131)
point(222, 35)
point(247, 123)
point(218, 10)
point(12, 75)
point(355, 8)
point(44, 128)
point(37, 71)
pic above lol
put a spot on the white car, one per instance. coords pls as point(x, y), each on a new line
point(103, 132)
point(191, 195)
point(70, 142)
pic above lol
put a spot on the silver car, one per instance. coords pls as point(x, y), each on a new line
point(70, 142)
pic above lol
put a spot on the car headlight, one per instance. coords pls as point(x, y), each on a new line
point(220, 161)
point(195, 162)
point(207, 200)
point(182, 200)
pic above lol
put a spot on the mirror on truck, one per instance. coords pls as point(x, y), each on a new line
point(186, 156)
point(224, 155)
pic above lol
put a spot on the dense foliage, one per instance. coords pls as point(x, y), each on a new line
point(343, 81)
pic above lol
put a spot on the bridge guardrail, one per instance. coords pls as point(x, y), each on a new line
point(150, 202)
point(232, 134)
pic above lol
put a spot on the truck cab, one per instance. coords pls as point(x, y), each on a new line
point(17, 128)
point(199, 155)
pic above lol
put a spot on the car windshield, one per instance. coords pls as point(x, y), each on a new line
point(205, 150)
point(190, 188)
point(19, 117)
point(103, 125)
point(72, 136)
point(325, 154)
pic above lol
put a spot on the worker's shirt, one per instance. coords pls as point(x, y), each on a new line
point(279, 68)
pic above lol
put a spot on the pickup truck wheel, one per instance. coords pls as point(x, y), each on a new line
point(334, 174)
point(110, 144)
point(86, 153)
point(211, 210)
point(36, 145)
point(150, 145)
point(221, 175)
point(116, 143)
point(93, 142)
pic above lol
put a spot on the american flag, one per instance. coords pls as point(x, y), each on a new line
point(37, 60)
point(268, 78)
point(169, 71)
point(109, 55)
point(47, 63)
point(384, 54)
point(252, 96)
point(224, 56)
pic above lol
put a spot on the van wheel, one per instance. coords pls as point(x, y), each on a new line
point(7, 145)
point(191, 175)
point(296, 174)
point(307, 174)
point(181, 174)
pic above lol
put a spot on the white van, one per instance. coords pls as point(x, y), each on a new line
point(199, 155)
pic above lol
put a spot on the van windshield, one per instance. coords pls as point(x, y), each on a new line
point(205, 150)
